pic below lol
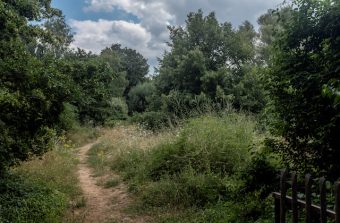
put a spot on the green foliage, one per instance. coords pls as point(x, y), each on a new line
point(152, 120)
point(119, 109)
point(306, 60)
point(32, 89)
point(215, 162)
point(187, 105)
point(111, 183)
point(211, 59)
point(131, 62)
point(97, 87)
point(206, 145)
point(69, 117)
point(23, 200)
point(140, 97)
point(40, 190)
point(82, 135)
point(271, 26)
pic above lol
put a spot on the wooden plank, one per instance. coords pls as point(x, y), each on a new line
point(323, 202)
point(308, 194)
point(337, 202)
point(295, 217)
point(302, 203)
point(283, 190)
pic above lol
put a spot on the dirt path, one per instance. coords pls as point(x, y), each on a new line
point(103, 205)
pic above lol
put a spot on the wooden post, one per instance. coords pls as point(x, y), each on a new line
point(337, 202)
point(294, 198)
point(323, 202)
point(277, 210)
point(283, 191)
point(308, 194)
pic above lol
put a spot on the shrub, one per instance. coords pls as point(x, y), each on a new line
point(25, 200)
point(69, 117)
point(42, 190)
point(119, 108)
point(214, 162)
point(151, 120)
point(207, 144)
point(140, 97)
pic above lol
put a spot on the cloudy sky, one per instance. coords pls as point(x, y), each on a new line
point(141, 24)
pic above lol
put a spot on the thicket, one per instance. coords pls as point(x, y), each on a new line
point(216, 169)
point(303, 85)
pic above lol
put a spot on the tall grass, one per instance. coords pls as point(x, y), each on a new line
point(211, 163)
point(122, 140)
point(46, 189)
point(80, 136)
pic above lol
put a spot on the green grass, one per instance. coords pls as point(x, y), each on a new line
point(45, 189)
point(26, 200)
point(215, 169)
point(111, 183)
point(211, 169)
point(97, 160)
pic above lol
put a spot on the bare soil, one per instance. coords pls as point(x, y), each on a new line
point(103, 205)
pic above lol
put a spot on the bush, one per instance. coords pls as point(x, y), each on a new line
point(207, 145)
point(119, 109)
point(69, 117)
point(42, 190)
point(151, 120)
point(214, 163)
point(141, 96)
point(25, 200)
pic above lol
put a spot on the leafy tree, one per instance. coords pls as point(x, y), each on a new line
point(96, 81)
point(211, 59)
point(32, 90)
point(271, 26)
point(306, 60)
point(58, 35)
point(131, 62)
point(141, 97)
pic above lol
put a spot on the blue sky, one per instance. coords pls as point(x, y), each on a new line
point(141, 24)
point(74, 9)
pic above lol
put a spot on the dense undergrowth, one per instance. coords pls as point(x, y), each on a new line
point(45, 189)
point(213, 169)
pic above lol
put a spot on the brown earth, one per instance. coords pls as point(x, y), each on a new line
point(103, 205)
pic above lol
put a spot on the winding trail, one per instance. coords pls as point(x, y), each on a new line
point(103, 205)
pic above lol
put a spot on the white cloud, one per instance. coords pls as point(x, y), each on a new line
point(150, 34)
point(96, 35)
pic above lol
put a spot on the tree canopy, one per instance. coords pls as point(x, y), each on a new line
point(32, 89)
point(305, 62)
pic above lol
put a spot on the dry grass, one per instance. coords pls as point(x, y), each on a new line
point(57, 169)
point(134, 137)
point(111, 145)
point(120, 140)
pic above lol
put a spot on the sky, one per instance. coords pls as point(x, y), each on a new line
point(142, 24)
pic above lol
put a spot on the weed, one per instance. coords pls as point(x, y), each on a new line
point(111, 183)
point(206, 171)
point(43, 189)
point(203, 169)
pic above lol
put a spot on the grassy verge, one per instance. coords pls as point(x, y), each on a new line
point(45, 189)
point(213, 169)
